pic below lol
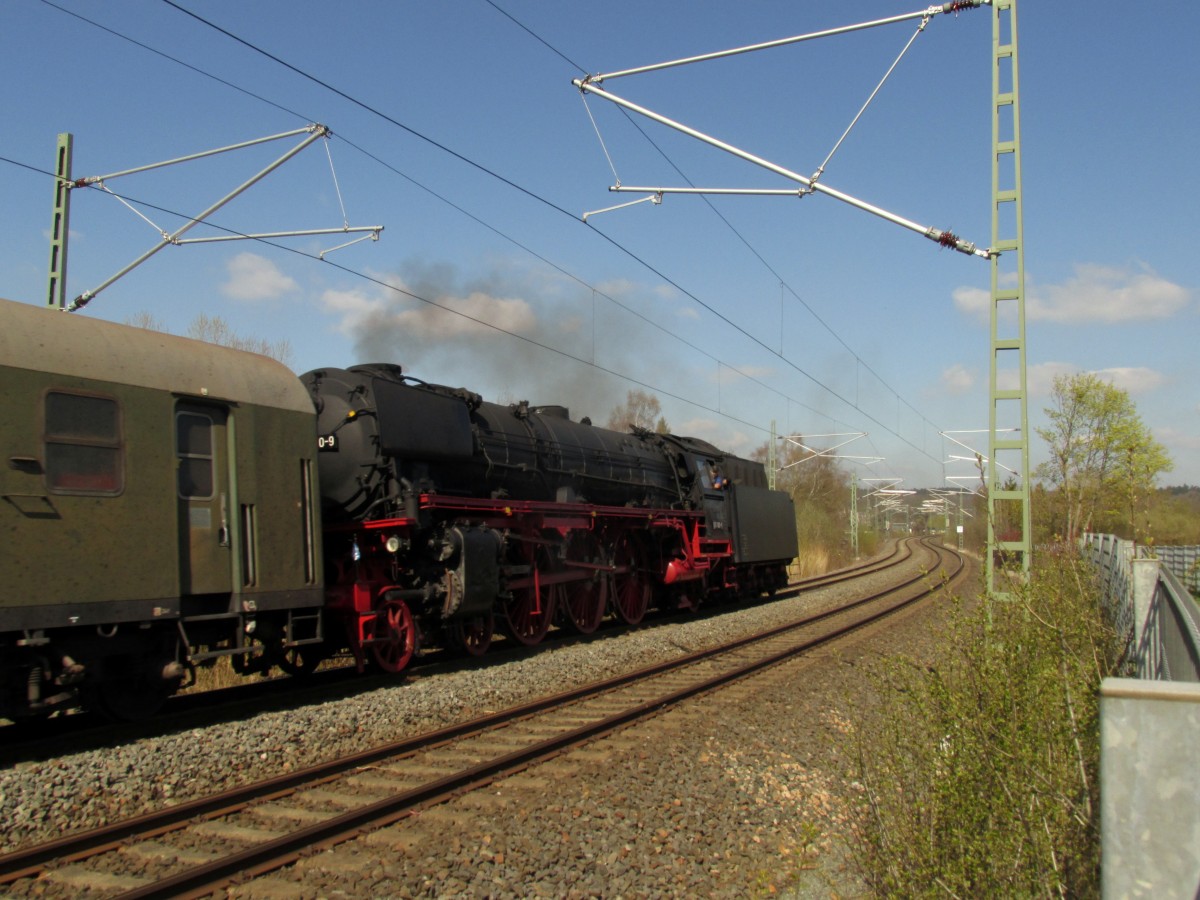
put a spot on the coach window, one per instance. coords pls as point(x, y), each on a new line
point(194, 446)
point(83, 445)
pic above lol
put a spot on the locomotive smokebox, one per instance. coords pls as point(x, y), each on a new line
point(368, 418)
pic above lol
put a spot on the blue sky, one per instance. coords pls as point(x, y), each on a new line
point(458, 130)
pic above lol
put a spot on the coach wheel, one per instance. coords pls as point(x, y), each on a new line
point(395, 636)
point(584, 601)
point(255, 658)
point(299, 661)
point(531, 610)
point(630, 588)
point(291, 660)
point(132, 691)
point(473, 634)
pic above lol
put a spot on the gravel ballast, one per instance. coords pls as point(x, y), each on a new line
point(748, 791)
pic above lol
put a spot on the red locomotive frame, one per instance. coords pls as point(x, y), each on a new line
point(570, 563)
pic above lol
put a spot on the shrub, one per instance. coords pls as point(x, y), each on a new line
point(981, 769)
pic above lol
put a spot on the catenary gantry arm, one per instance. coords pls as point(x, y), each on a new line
point(591, 85)
point(313, 132)
point(795, 39)
point(943, 238)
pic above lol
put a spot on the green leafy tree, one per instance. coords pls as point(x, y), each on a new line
point(1103, 460)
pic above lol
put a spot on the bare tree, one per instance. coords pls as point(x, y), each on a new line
point(216, 330)
point(148, 321)
point(640, 410)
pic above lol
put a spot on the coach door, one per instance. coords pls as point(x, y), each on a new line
point(202, 488)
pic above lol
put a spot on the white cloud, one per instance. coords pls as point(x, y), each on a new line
point(1108, 294)
point(973, 302)
point(958, 379)
point(1096, 293)
point(253, 277)
point(1133, 380)
point(353, 308)
point(1039, 379)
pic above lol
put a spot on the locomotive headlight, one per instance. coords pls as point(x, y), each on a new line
point(393, 544)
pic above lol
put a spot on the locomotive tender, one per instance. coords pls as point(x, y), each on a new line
point(165, 502)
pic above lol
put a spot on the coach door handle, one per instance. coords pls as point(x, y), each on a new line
point(223, 531)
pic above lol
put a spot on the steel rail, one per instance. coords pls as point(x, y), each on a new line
point(256, 861)
point(18, 742)
point(34, 860)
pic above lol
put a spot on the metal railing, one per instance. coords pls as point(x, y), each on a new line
point(1184, 562)
point(1150, 605)
point(1149, 727)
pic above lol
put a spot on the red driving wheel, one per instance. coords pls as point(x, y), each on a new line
point(531, 610)
point(630, 588)
point(395, 638)
point(584, 602)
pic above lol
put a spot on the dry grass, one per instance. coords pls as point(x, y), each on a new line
point(813, 560)
point(218, 676)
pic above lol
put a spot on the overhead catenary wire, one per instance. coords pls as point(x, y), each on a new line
point(551, 204)
point(859, 361)
point(946, 8)
point(467, 160)
point(232, 234)
point(600, 138)
point(606, 237)
point(312, 132)
point(337, 187)
point(939, 236)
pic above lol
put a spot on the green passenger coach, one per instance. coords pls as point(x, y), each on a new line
point(156, 492)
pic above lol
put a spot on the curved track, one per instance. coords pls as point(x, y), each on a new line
point(196, 709)
point(194, 848)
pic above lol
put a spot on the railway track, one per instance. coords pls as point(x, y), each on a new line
point(194, 848)
point(196, 709)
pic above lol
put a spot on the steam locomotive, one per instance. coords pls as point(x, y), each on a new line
point(166, 502)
